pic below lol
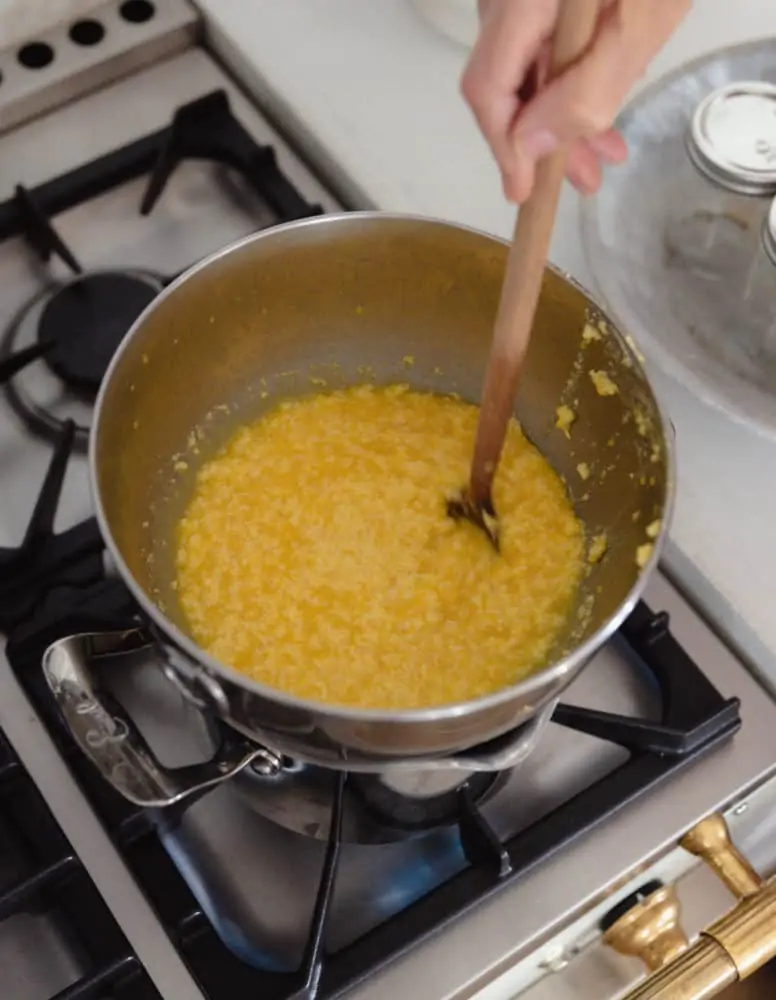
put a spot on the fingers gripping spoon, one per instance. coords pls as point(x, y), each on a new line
point(520, 293)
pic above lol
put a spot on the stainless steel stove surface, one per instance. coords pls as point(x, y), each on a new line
point(548, 848)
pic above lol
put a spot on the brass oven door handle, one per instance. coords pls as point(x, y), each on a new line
point(731, 949)
point(107, 736)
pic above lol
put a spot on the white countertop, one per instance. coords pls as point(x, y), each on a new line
point(370, 92)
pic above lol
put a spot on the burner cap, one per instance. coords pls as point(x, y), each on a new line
point(85, 321)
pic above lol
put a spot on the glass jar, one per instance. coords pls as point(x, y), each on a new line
point(716, 232)
point(763, 290)
point(720, 202)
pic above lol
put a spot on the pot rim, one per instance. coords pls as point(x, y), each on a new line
point(567, 665)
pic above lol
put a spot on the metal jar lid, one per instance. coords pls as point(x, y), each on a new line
point(732, 137)
point(769, 232)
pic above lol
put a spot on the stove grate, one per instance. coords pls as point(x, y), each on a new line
point(203, 129)
point(37, 229)
point(72, 557)
point(41, 875)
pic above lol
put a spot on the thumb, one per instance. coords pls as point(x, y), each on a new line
point(585, 99)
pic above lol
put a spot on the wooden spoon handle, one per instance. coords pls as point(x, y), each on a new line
point(525, 271)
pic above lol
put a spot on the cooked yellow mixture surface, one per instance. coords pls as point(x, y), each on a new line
point(316, 554)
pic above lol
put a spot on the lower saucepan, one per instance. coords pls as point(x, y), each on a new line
point(352, 296)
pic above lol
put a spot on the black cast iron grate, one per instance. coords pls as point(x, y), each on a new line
point(41, 874)
point(204, 129)
point(695, 717)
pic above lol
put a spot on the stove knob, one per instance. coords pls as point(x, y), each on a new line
point(646, 925)
point(710, 840)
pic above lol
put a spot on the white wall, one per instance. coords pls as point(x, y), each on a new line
point(21, 19)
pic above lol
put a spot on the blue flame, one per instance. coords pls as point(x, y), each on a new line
point(396, 883)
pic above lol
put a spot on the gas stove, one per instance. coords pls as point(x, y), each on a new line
point(285, 882)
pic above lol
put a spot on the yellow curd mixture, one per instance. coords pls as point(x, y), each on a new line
point(316, 555)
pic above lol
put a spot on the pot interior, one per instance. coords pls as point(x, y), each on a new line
point(344, 300)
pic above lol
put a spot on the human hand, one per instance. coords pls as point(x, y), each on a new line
point(523, 120)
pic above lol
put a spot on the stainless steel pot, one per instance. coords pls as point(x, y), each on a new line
point(347, 298)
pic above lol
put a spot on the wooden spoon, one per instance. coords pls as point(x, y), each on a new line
point(520, 292)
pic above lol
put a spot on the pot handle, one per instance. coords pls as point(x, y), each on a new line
point(107, 736)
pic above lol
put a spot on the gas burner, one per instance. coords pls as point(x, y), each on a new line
point(379, 808)
point(419, 801)
point(396, 804)
point(56, 351)
point(83, 323)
